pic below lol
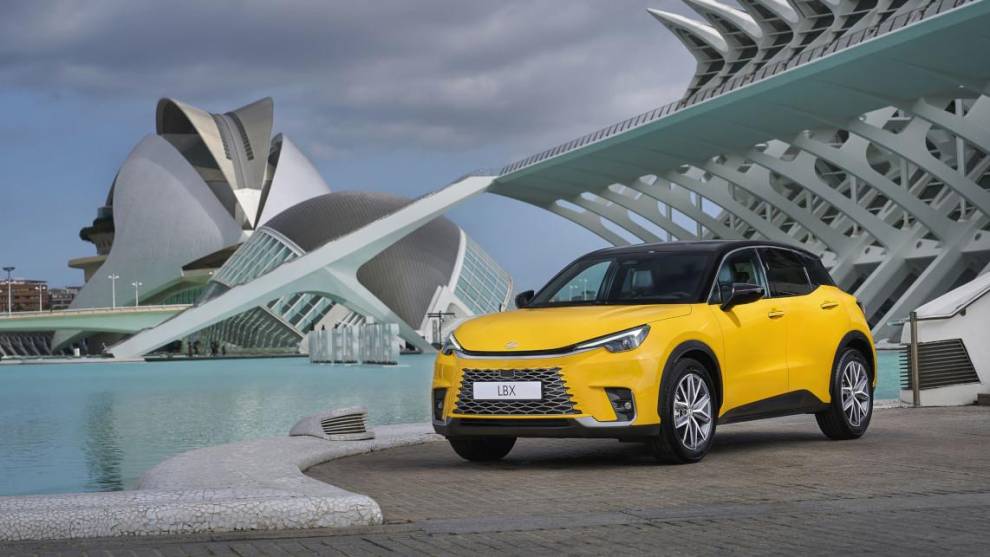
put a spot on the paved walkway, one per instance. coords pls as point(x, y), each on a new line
point(919, 482)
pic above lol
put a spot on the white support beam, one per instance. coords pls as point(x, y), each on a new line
point(330, 269)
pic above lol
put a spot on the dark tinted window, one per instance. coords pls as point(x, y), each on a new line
point(664, 278)
point(786, 272)
point(739, 267)
point(656, 278)
point(817, 273)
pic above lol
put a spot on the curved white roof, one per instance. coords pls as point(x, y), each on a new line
point(954, 300)
point(295, 181)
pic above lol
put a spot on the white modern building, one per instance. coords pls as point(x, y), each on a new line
point(435, 270)
point(213, 200)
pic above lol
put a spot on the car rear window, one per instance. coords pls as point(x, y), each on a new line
point(786, 272)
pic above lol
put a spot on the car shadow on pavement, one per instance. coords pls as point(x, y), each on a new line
point(536, 454)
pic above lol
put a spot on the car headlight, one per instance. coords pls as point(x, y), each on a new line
point(450, 345)
point(623, 341)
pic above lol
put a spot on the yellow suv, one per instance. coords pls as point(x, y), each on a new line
point(659, 343)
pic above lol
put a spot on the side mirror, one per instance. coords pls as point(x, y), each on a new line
point(742, 293)
point(523, 298)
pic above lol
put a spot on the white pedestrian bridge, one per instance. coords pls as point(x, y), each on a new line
point(124, 320)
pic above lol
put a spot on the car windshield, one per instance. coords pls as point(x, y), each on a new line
point(647, 278)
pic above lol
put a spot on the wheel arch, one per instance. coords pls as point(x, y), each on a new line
point(697, 350)
point(859, 341)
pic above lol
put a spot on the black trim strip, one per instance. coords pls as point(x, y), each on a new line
point(538, 427)
point(795, 402)
point(564, 350)
point(518, 353)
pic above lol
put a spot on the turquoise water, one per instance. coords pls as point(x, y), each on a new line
point(98, 427)
point(889, 378)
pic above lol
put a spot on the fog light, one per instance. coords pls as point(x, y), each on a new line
point(438, 396)
point(622, 403)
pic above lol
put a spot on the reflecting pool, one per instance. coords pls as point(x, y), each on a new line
point(98, 427)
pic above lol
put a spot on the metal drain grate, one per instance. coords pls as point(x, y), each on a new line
point(345, 424)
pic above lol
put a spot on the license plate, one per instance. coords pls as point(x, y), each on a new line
point(508, 390)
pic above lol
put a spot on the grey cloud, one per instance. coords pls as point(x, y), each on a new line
point(363, 75)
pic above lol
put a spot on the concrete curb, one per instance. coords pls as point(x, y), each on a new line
point(252, 485)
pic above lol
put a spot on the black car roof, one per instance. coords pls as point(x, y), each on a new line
point(717, 247)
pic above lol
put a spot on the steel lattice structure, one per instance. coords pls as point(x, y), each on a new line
point(895, 199)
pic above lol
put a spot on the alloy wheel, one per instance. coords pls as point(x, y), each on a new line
point(692, 411)
point(855, 393)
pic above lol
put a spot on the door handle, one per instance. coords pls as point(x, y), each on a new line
point(775, 313)
point(828, 304)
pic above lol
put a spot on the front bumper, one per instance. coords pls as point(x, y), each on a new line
point(576, 389)
point(543, 427)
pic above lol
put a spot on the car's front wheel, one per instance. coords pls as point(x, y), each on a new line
point(848, 415)
point(482, 449)
point(687, 414)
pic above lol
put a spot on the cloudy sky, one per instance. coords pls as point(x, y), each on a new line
point(387, 95)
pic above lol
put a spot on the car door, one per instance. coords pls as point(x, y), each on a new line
point(815, 322)
point(754, 335)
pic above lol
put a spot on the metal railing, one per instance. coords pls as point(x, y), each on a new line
point(842, 43)
point(95, 311)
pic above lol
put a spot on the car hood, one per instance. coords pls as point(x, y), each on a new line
point(558, 327)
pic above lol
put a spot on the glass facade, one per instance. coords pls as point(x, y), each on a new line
point(262, 253)
point(188, 296)
point(279, 324)
point(255, 330)
point(482, 285)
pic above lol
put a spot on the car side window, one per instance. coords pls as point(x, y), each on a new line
point(817, 272)
point(742, 266)
point(786, 273)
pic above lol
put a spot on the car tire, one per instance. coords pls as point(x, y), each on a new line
point(482, 449)
point(686, 430)
point(848, 415)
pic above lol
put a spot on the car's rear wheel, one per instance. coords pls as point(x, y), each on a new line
point(687, 414)
point(482, 449)
point(849, 413)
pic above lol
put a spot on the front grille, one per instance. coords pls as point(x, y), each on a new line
point(556, 399)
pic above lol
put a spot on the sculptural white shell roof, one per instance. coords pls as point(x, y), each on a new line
point(201, 183)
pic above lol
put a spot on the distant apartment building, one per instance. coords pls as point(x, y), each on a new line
point(26, 295)
point(61, 298)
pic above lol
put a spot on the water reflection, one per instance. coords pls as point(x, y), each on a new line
point(101, 447)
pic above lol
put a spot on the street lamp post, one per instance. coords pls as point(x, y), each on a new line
point(113, 290)
point(438, 331)
point(41, 296)
point(136, 286)
point(10, 296)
